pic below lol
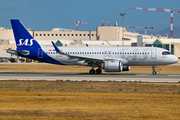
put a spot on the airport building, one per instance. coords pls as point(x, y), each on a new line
point(103, 36)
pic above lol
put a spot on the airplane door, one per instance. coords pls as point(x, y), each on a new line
point(153, 53)
point(40, 53)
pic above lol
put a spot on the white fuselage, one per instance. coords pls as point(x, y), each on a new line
point(131, 56)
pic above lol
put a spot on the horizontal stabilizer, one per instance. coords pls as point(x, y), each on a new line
point(13, 51)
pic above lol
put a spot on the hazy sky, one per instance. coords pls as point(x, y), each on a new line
point(48, 14)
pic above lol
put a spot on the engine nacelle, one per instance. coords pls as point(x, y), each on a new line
point(112, 66)
point(126, 68)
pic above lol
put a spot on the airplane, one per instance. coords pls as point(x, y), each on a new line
point(4, 57)
point(110, 59)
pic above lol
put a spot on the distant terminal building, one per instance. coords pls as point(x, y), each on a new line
point(102, 33)
point(103, 36)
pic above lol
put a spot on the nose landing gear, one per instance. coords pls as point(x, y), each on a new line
point(154, 72)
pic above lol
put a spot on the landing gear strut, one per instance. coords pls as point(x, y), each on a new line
point(154, 72)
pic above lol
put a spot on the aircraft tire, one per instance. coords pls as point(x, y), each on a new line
point(92, 71)
point(154, 72)
point(98, 71)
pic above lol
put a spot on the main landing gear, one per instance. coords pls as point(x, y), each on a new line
point(154, 72)
point(97, 71)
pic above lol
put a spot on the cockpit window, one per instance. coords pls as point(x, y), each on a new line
point(166, 53)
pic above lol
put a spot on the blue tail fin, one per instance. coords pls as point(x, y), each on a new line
point(22, 37)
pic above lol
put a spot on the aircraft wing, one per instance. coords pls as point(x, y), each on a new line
point(88, 59)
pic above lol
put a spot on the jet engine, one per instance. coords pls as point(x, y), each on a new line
point(112, 66)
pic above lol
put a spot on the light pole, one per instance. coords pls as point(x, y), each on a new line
point(122, 14)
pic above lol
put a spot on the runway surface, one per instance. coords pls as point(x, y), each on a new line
point(87, 77)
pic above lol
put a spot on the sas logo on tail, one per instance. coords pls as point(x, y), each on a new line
point(25, 42)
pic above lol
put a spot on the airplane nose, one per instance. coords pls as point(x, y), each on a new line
point(175, 59)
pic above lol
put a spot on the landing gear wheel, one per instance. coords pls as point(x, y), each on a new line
point(92, 71)
point(98, 71)
point(154, 72)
